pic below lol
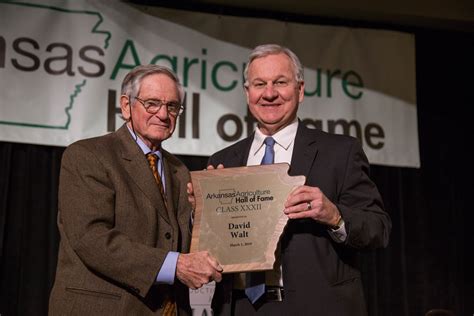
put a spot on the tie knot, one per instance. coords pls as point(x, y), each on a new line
point(152, 158)
point(269, 141)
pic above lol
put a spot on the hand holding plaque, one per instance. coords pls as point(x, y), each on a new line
point(239, 214)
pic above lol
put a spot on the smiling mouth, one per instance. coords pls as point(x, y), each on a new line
point(270, 105)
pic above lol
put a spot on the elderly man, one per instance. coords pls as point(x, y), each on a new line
point(124, 216)
point(336, 214)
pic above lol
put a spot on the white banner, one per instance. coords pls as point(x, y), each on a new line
point(62, 63)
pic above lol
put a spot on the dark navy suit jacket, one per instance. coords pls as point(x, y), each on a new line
point(321, 276)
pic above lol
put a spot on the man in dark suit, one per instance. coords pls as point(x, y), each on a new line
point(124, 217)
point(336, 214)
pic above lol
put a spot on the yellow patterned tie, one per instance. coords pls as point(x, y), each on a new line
point(152, 159)
point(169, 305)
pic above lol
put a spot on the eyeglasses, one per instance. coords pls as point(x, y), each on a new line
point(152, 106)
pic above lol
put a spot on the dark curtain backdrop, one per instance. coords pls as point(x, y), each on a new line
point(428, 263)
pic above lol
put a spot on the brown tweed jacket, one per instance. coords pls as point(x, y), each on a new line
point(115, 230)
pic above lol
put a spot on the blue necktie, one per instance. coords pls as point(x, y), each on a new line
point(255, 281)
point(269, 156)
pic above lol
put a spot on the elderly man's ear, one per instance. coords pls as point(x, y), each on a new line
point(125, 107)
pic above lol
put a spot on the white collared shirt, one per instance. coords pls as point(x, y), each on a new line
point(284, 143)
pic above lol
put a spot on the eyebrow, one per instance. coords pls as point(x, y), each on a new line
point(161, 100)
point(278, 78)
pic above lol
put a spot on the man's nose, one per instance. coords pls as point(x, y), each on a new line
point(163, 113)
point(270, 93)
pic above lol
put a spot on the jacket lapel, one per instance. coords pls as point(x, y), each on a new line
point(137, 167)
point(241, 153)
point(180, 210)
point(172, 189)
point(304, 151)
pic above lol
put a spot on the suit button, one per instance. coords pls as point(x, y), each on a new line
point(168, 235)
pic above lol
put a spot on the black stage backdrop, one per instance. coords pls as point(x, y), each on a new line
point(427, 263)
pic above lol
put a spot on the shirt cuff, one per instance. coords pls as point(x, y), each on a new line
point(338, 235)
point(168, 269)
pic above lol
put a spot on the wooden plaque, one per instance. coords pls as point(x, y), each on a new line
point(239, 214)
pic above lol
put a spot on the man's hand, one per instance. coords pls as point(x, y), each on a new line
point(191, 198)
point(310, 202)
point(211, 167)
point(196, 269)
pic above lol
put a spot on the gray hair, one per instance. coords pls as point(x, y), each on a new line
point(274, 49)
point(132, 81)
